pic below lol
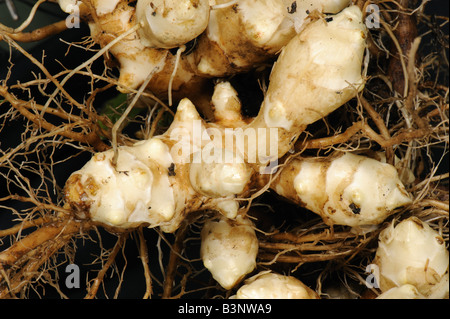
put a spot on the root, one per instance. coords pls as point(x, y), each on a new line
point(143, 252)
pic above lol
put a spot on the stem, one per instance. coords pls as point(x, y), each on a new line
point(46, 233)
point(31, 252)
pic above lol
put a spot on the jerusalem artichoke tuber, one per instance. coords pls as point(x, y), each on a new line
point(412, 253)
point(229, 249)
point(208, 172)
point(348, 190)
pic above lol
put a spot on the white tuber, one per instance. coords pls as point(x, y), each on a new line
point(103, 7)
point(261, 34)
point(171, 23)
point(347, 190)
point(153, 184)
point(226, 106)
point(229, 249)
point(135, 191)
point(264, 23)
point(306, 84)
point(274, 286)
point(415, 254)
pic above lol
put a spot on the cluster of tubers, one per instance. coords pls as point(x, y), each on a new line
point(413, 262)
point(320, 47)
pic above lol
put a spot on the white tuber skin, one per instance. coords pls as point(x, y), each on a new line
point(262, 29)
point(412, 253)
point(274, 286)
point(219, 178)
point(171, 23)
point(102, 7)
point(347, 190)
point(229, 249)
